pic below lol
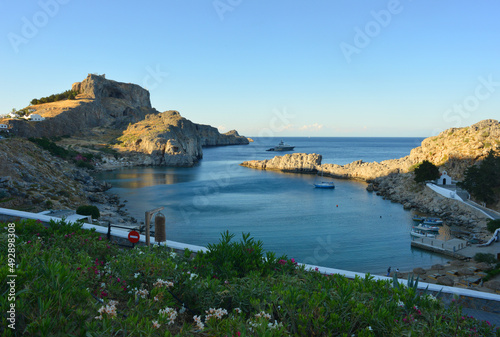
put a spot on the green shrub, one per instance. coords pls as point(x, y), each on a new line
point(493, 225)
point(68, 94)
point(72, 282)
point(485, 257)
point(426, 171)
point(89, 210)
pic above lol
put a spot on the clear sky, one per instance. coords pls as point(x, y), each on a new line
point(268, 68)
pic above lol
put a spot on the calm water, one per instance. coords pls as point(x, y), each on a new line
point(346, 228)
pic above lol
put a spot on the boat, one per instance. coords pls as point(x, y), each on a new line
point(324, 184)
point(418, 218)
point(427, 228)
point(282, 147)
point(420, 234)
point(432, 221)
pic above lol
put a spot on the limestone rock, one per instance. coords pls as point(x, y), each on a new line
point(445, 280)
point(169, 139)
point(419, 271)
point(295, 162)
point(493, 285)
point(483, 266)
point(437, 267)
point(465, 272)
point(457, 263)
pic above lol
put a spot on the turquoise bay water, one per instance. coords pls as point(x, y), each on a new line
point(346, 228)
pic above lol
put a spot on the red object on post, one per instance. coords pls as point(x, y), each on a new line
point(134, 236)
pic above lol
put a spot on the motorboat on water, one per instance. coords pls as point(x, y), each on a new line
point(427, 221)
point(426, 228)
point(282, 147)
point(421, 234)
point(418, 218)
point(432, 221)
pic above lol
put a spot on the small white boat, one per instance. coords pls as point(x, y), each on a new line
point(282, 147)
point(432, 221)
point(427, 228)
point(325, 184)
point(421, 234)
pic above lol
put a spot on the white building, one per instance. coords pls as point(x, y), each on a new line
point(4, 127)
point(35, 118)
point(444, 179)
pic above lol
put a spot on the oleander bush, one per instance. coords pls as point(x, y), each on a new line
point(72, 282)
point(91, 210)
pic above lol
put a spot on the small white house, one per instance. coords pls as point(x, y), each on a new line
point(4, 127)
point(444, 179)
point(13, 115)
point(35, 118)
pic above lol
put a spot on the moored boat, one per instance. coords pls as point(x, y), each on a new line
point(421, 234)
point(282, 147)
point(432, 221)
point(427, 228)
point(325, 184)
point(418, 218)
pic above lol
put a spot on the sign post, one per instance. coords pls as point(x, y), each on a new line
point(149, 215)
point(134, 237)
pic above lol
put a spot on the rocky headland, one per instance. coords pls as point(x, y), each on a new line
point(110, 121)
point(452, 150)
point(139, 134)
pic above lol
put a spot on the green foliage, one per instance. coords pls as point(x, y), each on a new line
point(227, 259)
point(81, 160)
point(52, 147)
point(493, 225)
point(89, 210)
point(68, 94)
point(484, 179)
point(426, 171)
point(485, 257)
point(72, 282)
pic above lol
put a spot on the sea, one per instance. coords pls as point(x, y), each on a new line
point(346, 228)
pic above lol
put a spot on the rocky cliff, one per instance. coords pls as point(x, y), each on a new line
point(33, 180)
point(100, 103)
point(149, 137)
point(168, 139)
point(452, 150)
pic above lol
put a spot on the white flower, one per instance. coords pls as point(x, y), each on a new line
point(199, 323)
point(170, 313)
point(193, 275)
point(143, 293)
point(136, 275)
point(156, 325)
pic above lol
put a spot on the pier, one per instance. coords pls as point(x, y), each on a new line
point(449, 247)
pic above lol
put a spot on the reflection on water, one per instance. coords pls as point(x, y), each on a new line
point(134, 178)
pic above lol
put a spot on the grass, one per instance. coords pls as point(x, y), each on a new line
point(72, 282)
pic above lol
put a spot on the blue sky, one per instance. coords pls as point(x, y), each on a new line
point(268, 68)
